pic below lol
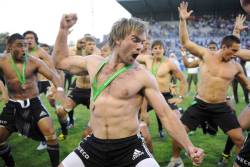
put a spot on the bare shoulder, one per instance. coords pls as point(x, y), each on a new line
point(144, 76)
point(35, 61)
point(3, 59)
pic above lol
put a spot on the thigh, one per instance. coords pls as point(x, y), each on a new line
point(72, 160)
point(243, 158)
point(149, 162)
point(69, 104)
point(46, 126)
point(244, 118)
point(226, 120)
point(4, 134)
point(192, 118)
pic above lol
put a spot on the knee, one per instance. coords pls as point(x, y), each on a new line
point(147, 138)
point(61, 113)
point(238, 141)
point(51, 139)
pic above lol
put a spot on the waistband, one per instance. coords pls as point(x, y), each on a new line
point(203, 102)
point(24, 103)
point(113, 141)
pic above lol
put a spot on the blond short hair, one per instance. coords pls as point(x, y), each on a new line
point(124, 27)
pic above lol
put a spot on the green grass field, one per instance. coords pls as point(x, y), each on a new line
point(26, 155)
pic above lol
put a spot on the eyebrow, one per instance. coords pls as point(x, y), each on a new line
point(137, 38)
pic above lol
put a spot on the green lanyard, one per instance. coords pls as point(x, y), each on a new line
point(21, 76)
point(155, 67)
point(98, 90)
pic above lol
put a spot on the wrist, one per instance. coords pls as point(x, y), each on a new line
point(60, 89)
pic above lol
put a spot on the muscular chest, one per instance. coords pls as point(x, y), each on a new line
point(225, 71)
point(11, 73)
point(123, 86)
point(160, 69)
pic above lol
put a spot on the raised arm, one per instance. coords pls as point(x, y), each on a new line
point(239, 25)
point(170, 121)
point(195, 49)
point(73, 64)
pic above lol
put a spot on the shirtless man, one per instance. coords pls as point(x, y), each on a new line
point(115, 105)
point(24, 112)
point(35, 50)
point(217, 70)
point(164, 69)
point(43, 83)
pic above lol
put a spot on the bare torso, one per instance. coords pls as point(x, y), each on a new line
point(163, 75)
point(83, 81)
point(117, 118)
point(215, 78)
point(15, 90)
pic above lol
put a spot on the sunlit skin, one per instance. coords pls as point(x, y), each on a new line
point(120, 101)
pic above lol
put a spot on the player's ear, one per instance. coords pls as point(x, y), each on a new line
point(117, 42)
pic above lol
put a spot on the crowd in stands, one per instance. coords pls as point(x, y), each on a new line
point(202, 30)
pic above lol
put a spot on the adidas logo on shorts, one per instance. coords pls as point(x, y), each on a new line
point(137, 153)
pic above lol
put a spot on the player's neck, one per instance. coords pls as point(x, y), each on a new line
point(115, 62)
point(157, 58)
point(34, 49)
point(16, 60)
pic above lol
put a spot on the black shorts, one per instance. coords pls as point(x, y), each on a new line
point(24, 120)
point(80, 96)
point(167, 96)
point(126, 152)
point(200, 112)
point(243, 158)
point(43, 86)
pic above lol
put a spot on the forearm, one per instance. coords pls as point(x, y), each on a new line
point(56, 80)
point(183, 31)
point(61, 48)
point(236, 32)
point(3, 89)
point(182, 87)
point(176, 130)
point(185, 61)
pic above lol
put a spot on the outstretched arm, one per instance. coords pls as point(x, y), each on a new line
point(244, 54)
point(183, 33)
point(73, 64)
point(243, 78)
point(170, 121)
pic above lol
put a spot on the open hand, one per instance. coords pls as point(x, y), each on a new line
point(239, 22)
point(183, 13)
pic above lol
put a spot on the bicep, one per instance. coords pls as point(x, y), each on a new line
point(177, 72)
point(76, 65)
point(195, 49)
point(155, 98)
point(242, 78)
point(244, 54)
